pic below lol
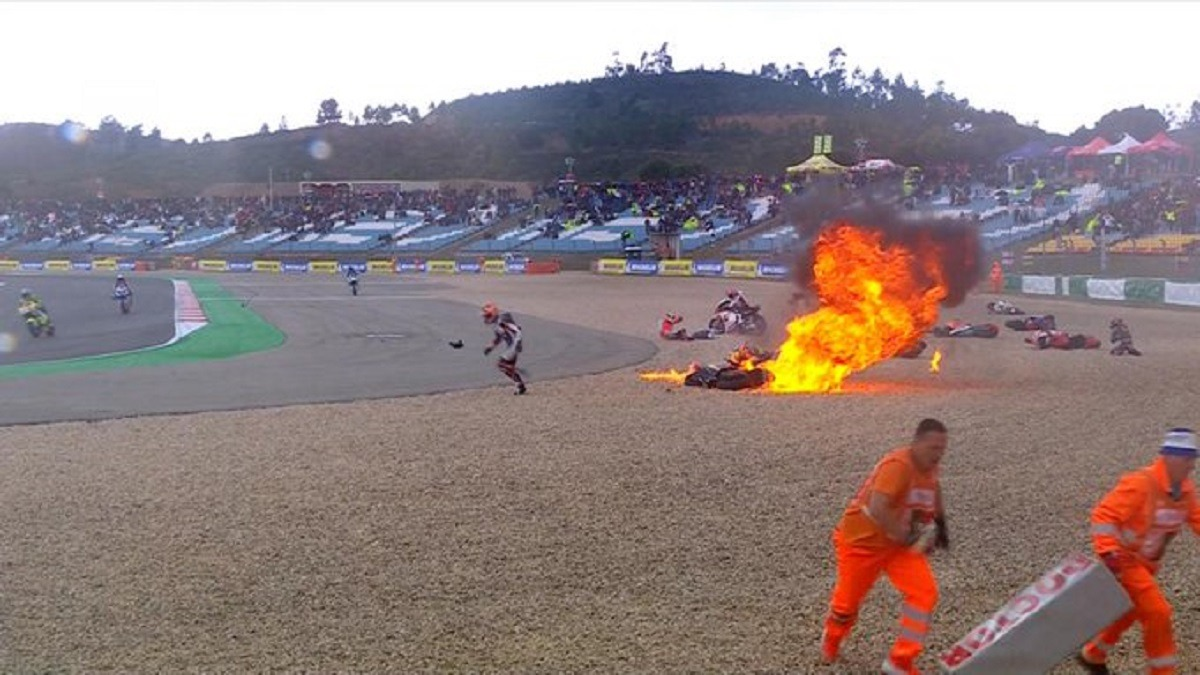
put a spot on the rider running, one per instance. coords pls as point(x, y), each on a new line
point(507, 331)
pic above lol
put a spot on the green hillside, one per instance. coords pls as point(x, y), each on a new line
point(635, 124)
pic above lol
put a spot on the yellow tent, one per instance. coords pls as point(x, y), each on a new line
point(817, 164)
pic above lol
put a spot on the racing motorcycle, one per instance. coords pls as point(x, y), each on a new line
point(744, 322)
point(124, 298)
point(36, 320)
point(352, 279)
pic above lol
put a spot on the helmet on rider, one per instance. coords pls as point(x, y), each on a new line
point(732, 293)
point(25, 292)
point(120, 277)
point(490, 313)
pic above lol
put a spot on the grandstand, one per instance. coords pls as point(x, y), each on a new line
point(629, 227)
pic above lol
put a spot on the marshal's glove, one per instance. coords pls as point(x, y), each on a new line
point(942, 536)
point(922, 537)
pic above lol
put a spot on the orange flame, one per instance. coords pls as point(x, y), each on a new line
point(876, 300)
point(935, 364)
point(671, 376)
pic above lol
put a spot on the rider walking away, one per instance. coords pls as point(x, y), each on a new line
point(506, 331)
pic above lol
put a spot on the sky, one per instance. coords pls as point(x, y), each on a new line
point(226, 68)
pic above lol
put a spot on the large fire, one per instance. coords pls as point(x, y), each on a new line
point(877, 298)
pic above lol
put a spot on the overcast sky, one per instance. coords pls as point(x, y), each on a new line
point(228, 67)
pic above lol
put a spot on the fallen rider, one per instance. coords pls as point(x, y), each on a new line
point(668, 330)
point(1033, 322)
point(1122, 339)
point(1003, 307)
point(1060, 339)
point(963, 329)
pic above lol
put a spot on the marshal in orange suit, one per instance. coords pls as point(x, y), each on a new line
point(1131, 527)
point(891, 524)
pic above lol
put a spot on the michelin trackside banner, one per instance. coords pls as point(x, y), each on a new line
point(746, 269)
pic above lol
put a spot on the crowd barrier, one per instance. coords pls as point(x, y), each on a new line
point(744, 269)
point(402, 266)
point(1142, 290)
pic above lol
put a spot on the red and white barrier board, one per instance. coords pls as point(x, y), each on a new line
point(1043, 624)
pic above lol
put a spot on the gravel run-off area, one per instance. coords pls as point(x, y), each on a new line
point(598, 523)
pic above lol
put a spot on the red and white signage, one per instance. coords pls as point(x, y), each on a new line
point(1043, 623)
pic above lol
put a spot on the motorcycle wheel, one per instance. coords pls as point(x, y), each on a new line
point(34, 329)
point(755, 325)
point(125, 306)
point(354, 289)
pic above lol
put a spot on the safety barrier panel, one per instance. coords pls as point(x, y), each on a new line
point(266, 266)
point(1140, 290)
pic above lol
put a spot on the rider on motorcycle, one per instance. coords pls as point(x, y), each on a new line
point(734, 301)
point(121, 288)
point(32, 306)
point(732, 308)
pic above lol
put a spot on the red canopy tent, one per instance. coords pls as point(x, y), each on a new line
point(1160, 144)
point(1092, 148)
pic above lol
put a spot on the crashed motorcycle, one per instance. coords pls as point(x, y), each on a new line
point(124, 298)
point(36, 320)
point(1004, 307)
point(959, 330)
point(738, 322)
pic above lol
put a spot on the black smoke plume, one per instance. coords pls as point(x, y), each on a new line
point(825, 205)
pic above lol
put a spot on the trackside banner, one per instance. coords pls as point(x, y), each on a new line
point(385, 266)
point(675, 268)
point(267, 266)
point(9, 265)
point(741, 268)
point(293, 267)
point(610, 266)
point(440, 266)
point(58, 265)
point(323, 266)
point(494, 267)
point(772, 271)
point(239, 266)
point(708, 268)
point(205, 265)
point(108, 265)
point(646, 267)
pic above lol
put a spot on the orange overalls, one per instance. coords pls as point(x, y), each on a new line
point(1138, 519)
point(997, 277)
point(864, 551)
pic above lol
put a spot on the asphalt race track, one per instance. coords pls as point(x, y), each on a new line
point(390, 341)
point(86, 319)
